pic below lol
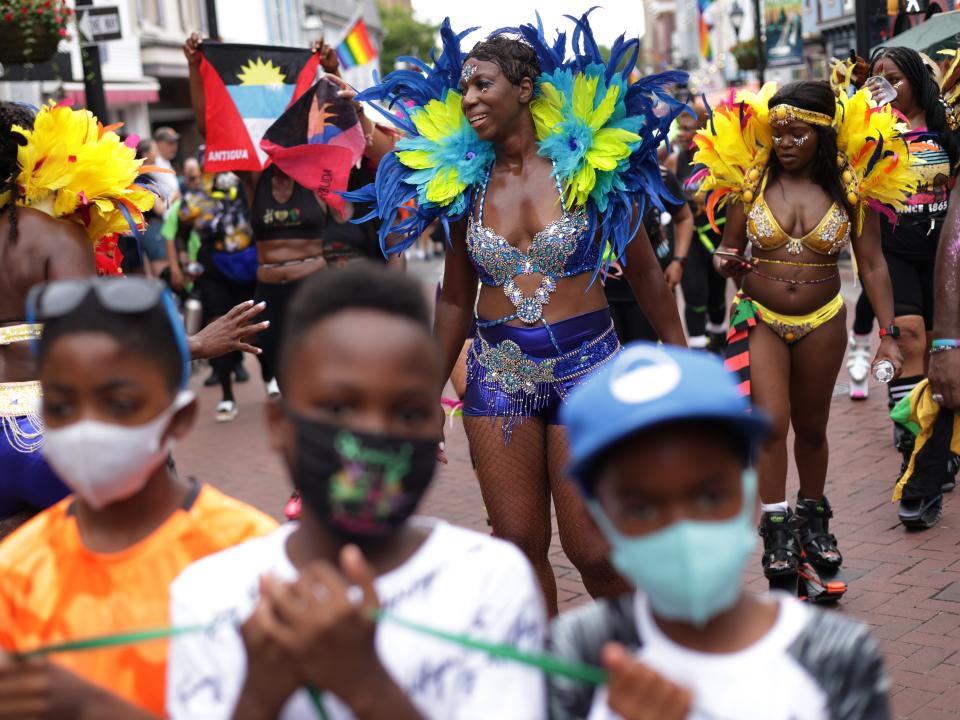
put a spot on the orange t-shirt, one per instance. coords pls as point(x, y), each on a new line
point(53, 589)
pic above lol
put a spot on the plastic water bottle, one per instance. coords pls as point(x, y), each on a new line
point(881, 90)
point(883, 371)
point(192, 314)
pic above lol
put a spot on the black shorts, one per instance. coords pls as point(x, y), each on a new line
point(912, 280)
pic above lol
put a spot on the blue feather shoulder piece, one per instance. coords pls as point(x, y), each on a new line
point(434, 170)
point(600, 131)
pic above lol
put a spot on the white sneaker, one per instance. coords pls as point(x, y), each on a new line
point(858, 366)
point(273, 388)
point(227, 411)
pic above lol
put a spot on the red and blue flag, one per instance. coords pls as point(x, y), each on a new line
point(317, 141)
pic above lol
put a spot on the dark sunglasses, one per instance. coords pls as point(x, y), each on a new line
point(124, 295)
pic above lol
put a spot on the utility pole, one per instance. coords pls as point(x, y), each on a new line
point(213, 30)
point(93, 74)
point(862, 20)
point(761, 54)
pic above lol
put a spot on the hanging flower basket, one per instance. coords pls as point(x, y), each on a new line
point(746, 54)
point(31, 30)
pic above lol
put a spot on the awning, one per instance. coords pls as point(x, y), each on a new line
point(118, 93)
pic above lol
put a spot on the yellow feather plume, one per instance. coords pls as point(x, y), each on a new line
point(734, 147)
point(876, 152)
point(841, 75)
point(71, 167)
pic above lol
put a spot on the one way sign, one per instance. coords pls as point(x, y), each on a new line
point(98, 24)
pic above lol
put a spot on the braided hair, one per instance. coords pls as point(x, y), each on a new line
point(12, 113)
point(925, 91)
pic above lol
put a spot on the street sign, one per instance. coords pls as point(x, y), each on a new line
point(98, 24)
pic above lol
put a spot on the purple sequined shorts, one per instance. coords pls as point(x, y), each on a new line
point(517, 372)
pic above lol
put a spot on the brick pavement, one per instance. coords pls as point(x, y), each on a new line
point(906, 586)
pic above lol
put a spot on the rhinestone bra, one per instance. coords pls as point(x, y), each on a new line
point(559, 250)
point(829, 237)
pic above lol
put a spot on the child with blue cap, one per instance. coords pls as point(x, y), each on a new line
point(661, 444)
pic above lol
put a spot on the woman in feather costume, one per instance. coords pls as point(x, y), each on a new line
point(533, 164)
point(35, 246)
point(66, 183)
point(803, 174)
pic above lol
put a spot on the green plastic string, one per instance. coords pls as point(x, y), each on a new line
point(116, 640)
point(549, 664)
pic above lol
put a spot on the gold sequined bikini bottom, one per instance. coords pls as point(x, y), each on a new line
point(792, 328)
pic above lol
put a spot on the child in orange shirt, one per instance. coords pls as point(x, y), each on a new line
point(113, 368)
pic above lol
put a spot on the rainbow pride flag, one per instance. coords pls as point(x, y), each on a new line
point(356, 48)
point(706, 51)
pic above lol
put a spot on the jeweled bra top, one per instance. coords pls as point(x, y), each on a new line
point(560, 250)
point(829, 237)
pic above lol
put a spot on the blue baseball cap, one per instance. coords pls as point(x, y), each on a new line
point(648, 385)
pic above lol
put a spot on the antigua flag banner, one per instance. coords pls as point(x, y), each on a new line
point(247, 87)
point(317, 141)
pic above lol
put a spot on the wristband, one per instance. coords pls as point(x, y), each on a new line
point(891, 330)
point(682, 259)
point(943, 345)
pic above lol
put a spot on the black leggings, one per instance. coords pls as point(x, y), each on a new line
point(864, 316)
point(277, 297)
point(218, 294)
point(704, 291)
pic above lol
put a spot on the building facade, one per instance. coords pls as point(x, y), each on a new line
point(145, 74)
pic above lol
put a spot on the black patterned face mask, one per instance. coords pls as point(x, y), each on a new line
point(360, 485)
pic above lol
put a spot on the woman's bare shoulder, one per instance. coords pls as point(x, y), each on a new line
point(46, 241)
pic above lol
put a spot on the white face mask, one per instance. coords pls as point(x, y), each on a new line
point(102, 462)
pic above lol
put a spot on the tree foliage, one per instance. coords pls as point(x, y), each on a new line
point(403, 35)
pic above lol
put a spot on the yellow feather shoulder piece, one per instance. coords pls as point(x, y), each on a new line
point(733, 149)
point(875, 164)
point(74, 168)
point(841, 76)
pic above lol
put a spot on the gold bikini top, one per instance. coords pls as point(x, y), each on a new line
point(829, 237)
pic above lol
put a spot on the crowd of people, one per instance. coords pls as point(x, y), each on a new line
point(573, 206)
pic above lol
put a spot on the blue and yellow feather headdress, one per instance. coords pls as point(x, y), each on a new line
point(600, 132)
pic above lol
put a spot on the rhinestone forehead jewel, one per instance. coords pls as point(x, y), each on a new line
point(467, 72)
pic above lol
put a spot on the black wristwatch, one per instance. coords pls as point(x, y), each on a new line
point(682, 259)
point(891, 330)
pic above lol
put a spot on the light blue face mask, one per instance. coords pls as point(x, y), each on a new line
point(691, 570)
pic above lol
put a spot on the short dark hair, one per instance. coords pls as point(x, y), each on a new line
point(148, 335)
point(515, 57)
point(359, 285)
point(735, 441)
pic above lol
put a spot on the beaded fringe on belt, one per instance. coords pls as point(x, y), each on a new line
point(527, 381)
point(21, 400)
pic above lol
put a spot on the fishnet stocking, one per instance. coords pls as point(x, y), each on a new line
point(580, 537)
point(513, 481)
